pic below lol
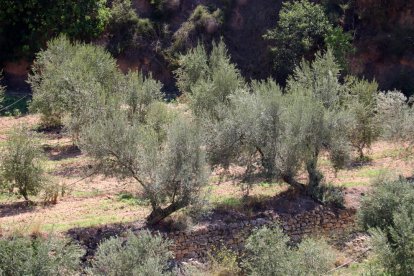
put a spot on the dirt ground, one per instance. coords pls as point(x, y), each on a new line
point(95, 200)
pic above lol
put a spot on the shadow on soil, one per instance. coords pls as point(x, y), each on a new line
point(16, 208)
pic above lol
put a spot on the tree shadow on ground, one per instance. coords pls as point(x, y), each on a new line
point(62, 152)
point(16, 208)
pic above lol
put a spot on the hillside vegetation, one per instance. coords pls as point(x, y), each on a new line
point(104, 172)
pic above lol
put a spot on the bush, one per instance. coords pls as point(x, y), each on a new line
point(142, 254)
point(268, 253)
point(388, 213)
point(386, 199)
point(302, 30)
point(202, 20)
point(21, 163)
point(329, 194)
point(27, 25)
point(125, 27)
point(396, 116)
point(39, 256)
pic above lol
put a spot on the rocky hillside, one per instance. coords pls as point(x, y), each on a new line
point(382, 30)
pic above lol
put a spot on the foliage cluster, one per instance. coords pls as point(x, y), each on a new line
point(388, 214)
point(268, 253)
point(39, 256)
point(202, 20)
point(142, 254)
point(21, 164)
point(302, 30)
point(208, 80)
point(260, 126)
point(125, 28)
point(25, 26)
point(68, 77)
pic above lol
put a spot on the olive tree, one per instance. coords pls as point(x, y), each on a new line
point(363, 104)
point(396, 116)
point(208, 80)
point(71, 81)
point(21, 163)
point(250, 129)
point(286, 131)
point(315, 119)
point(164, 156)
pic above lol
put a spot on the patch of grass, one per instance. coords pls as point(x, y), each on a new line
point(394, 153)
point(231, 202)
point(86, 221)
point(7, 198)
point(371, 172)
point(83, 194)
point(350, 184)
point(131, 200)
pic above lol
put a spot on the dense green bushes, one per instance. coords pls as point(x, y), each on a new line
point(302, 30)
point(268, 253)
point(21, 164)
point(388, 214)
point(133, 255)
point(39, 256)
point(25, 26)
point(125, 28)
point(203, 20)
point(142, 254)
point(208, 80)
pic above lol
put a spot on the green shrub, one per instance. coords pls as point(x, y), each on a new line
point(142, 254)
point(329, 194)
point(396, 116)
point(39, 256)
point(21, 163)
point(222, 261)
point(386, 199)
point(202, 20)
point(126, 28)
point(268, 253)
point(25, 26)
point(388, 214)
point(300, 32)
